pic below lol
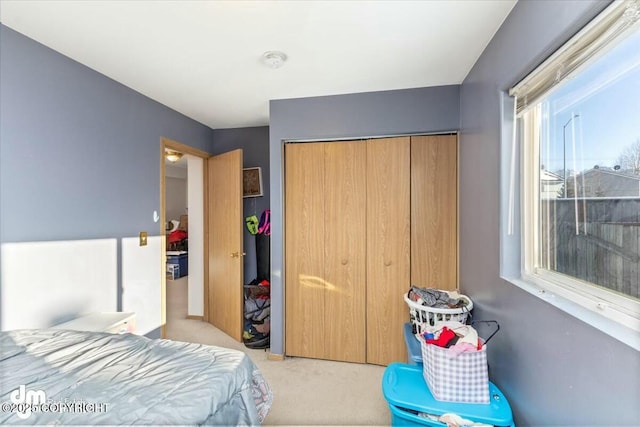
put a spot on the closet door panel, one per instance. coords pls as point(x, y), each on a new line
point(304, 250)
point(434, 242)
point(345, 251)
point(388, 248)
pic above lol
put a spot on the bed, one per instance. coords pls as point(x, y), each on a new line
point(126, 379)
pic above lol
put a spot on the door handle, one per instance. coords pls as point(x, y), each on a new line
point(236, 254)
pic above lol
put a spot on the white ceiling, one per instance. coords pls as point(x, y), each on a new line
point(203, 58)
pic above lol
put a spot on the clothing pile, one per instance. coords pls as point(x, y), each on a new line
point(455, 336)
point(257, 314)
point(176, 237)
point(428, 307)
point(257, 299)
point(435, 298)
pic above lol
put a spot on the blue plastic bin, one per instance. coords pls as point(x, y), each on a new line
point(407, 394)
point(414, 351)
point(182, 261)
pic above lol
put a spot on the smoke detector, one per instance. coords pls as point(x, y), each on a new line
point(274, 59)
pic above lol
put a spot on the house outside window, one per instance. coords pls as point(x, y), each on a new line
point(580, 137)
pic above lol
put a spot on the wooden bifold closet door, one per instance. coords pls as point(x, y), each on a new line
point(388, 247)
point(325, 250)
point(363, 221)
point(434, 211)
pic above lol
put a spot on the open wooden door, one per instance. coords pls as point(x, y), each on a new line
point(225, 243)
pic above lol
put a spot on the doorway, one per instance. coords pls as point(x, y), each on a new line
point(214, 237)
point(184, 228)
point(182, 225)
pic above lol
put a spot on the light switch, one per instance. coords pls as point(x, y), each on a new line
point(143, 238)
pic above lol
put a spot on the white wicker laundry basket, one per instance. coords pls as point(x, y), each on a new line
point(423, 317)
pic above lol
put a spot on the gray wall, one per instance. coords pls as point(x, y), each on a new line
point(554, 369)
point(79, 152)
point(422, 110)
point(254, 142)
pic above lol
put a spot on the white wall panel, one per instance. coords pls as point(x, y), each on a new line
point(46, 283)
point(141, 269)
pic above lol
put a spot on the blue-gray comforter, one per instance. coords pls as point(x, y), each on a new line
point(98, 378)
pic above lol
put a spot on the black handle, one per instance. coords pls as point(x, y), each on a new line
point(490, 322)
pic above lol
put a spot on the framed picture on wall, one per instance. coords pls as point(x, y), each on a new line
point(252, 182)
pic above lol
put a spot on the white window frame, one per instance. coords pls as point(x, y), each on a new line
point(611, 312)
point(616, 307)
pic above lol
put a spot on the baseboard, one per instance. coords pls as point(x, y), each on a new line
point(195, 317)
point(276, 357)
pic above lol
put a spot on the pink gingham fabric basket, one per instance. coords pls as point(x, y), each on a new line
point(462, 378)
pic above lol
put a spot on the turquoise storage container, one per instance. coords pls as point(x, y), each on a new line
point(407, 394)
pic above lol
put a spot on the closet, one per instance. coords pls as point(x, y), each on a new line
point(364, 220)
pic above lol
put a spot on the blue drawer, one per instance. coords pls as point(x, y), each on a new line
point(401, 417)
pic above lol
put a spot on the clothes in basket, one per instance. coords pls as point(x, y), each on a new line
point(437, 306)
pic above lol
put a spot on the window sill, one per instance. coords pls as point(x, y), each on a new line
point(554, 295)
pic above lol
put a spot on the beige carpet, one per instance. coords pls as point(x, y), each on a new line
point(306, 391)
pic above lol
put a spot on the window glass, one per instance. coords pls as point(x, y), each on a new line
point(589, 180)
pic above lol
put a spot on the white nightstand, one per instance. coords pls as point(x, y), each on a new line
point(114, 323)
